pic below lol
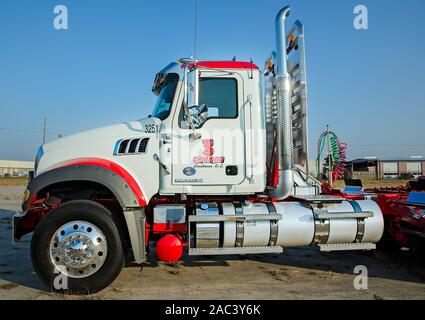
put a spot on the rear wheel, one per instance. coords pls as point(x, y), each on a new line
point(77, 249)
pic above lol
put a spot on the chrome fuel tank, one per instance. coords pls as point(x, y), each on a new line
point(299, 224)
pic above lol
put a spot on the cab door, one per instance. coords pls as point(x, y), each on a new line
point(213, 153)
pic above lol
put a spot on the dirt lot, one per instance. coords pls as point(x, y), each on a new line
point(13, 181)
point(375, 184)
point(296, 274)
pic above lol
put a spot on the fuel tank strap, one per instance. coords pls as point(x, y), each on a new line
point(322, 231)
point(356, 206)
point(360, 222)
point(240, 225)
point(274, 226)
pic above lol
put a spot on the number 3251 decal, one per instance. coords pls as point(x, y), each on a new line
point(151, 128)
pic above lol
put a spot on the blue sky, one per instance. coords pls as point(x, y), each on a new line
point(368, 85)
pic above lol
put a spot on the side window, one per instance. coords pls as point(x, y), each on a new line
point(221, 97)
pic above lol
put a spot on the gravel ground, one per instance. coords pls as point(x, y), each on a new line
point(296, 274)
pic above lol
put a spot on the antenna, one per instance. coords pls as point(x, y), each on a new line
point(251, 62)
point(196, 22)
point(44, 130)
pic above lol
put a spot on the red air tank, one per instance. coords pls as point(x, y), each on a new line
point(169, 248)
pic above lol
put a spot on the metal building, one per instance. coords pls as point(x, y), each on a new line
point(13, 168)
point(387, 168)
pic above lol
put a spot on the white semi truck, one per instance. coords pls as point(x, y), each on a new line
point(218, 168)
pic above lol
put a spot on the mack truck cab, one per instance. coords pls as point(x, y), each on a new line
point(217, 168)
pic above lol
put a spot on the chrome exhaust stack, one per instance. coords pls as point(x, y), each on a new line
point(285, 151)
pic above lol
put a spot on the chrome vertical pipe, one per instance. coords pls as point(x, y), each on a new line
point(284, 113)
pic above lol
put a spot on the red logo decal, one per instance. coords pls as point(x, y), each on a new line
point(208, 147)
point(208, 152)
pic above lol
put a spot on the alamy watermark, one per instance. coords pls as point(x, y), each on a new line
point(60, 21)
point(60, 281)
point(361, 281)
point(361, 19)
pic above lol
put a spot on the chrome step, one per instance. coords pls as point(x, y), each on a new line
point(343, 215)
point(322, 199)
point(221, 218)
point(347, 247)
point(233, 251)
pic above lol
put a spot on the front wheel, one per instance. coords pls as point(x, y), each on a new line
point(77, 249)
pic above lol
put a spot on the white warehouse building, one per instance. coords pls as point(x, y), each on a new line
point(14, 168)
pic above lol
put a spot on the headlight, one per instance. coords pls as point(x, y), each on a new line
point(27, 195)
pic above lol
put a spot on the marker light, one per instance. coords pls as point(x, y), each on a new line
point(27, 195)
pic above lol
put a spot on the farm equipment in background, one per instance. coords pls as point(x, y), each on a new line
point(334, 152)
point(404, 214)
point(403, 208)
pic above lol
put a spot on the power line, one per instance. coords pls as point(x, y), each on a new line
point(30, 131)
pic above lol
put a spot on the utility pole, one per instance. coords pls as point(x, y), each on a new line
point(44, 130)
point(330, 177)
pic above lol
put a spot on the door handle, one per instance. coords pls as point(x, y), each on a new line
point(166, 138)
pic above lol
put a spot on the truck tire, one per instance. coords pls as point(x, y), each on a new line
point(77, 249)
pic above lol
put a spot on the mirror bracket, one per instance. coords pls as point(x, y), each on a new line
point(194, 136)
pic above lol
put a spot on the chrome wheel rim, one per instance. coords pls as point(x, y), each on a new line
point(78, 249)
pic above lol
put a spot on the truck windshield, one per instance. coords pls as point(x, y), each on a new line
point(167, 88)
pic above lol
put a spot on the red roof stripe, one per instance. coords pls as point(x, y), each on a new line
point(227, 65)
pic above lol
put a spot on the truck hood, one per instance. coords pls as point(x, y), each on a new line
point(98, 143)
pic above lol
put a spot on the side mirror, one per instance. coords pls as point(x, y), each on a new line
point(203, 113)
point(199, 114)
point(193, 88)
